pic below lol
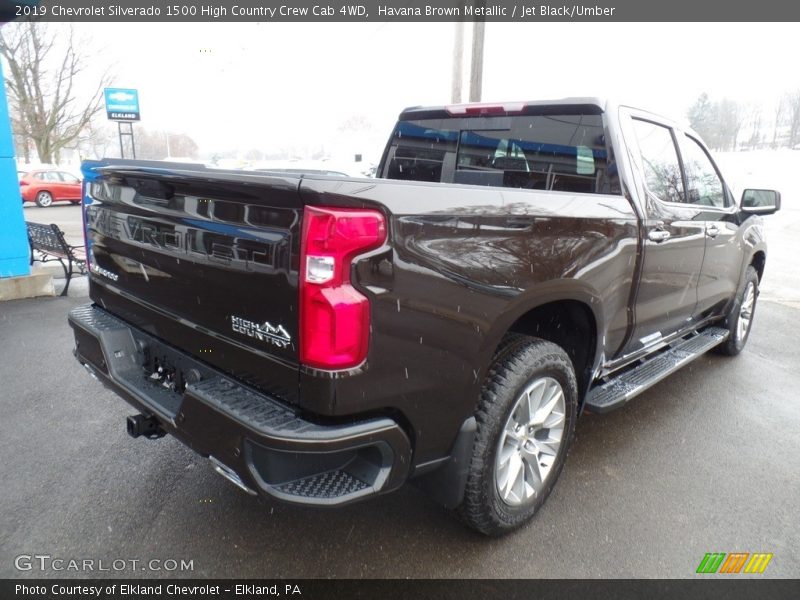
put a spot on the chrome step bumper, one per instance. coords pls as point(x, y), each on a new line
point(254, 440)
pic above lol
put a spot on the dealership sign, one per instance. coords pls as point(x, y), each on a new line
point(122, 104)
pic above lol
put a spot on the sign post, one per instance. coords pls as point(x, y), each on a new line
point(122, 106)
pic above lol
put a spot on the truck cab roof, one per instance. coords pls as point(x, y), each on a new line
point(511, 108)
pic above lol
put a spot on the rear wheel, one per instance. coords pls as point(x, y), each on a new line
point(526, 419)
point(740, 318)
point(44, 199)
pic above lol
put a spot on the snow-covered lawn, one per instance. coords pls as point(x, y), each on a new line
point(779, 170)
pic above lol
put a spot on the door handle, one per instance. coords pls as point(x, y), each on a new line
point(658, 235)
point(712, 231)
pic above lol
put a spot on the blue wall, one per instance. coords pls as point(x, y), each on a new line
point(13, 236)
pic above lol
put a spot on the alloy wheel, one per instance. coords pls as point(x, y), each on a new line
point(530, 441)
point(746, 311)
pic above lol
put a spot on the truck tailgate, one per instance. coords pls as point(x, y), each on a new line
point(204, 260)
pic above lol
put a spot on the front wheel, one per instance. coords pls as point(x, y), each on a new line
point(526, 420)
point(44, 199)
point(740, 318)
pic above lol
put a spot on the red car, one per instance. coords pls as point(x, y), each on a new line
point(46, 186)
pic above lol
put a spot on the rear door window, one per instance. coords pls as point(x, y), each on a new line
point(543, 152)
point(419, 150)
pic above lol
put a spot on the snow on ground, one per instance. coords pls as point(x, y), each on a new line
point(772, 169)
point(778, 170)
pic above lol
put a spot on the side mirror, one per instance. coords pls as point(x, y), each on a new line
point(761, 202)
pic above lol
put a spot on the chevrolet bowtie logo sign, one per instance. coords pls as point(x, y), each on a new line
point(733, 563)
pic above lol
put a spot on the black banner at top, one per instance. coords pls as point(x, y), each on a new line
point(521, 11)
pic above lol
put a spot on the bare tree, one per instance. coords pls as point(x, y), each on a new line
point(98, 140)
point(182, 145)
point(42, 87)
point(22, 140)
point(718, 122)
point(755, 123)
point(793, 109)
point(780, 119)
point(153, 145)
point(730, 123)
point(703, 119)
point(254, 154)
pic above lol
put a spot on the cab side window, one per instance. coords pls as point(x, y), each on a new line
point(662, 169)
point(703, 184)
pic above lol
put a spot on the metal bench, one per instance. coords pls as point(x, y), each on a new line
point(51, 245)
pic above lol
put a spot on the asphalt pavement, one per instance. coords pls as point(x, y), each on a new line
point(707, 461)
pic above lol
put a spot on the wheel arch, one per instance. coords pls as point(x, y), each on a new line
point(567, 301)
point(758, 261)
point(570, 317)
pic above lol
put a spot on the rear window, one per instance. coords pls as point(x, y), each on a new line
point(542, 152)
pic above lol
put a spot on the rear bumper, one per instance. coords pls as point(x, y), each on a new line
point(249, 436)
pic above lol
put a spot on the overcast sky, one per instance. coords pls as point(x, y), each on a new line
point(268, 85)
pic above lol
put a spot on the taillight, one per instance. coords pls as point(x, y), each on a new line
point(334, 316)
point(508, 108)
point(23, 182)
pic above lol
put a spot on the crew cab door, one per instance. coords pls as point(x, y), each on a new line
point(673, 231)
point(706, 190)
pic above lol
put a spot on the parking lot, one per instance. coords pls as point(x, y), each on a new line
point(707, 461)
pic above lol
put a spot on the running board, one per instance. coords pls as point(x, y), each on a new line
point(619, 390)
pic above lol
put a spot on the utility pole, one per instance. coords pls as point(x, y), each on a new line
point(458, 59)
point(476, 60)
point(476, 66)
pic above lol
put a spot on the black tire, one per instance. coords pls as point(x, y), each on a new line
point(44, 199)
point(522, 363)
point(736, 340)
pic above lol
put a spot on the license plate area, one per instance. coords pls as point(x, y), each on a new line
point(165, 372)
point(160, 369)
point(157, 373)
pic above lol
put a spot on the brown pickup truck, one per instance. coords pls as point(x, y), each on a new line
point(325, 339)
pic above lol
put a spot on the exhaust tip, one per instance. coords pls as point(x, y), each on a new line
point(231, 475)
point(89, 369)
